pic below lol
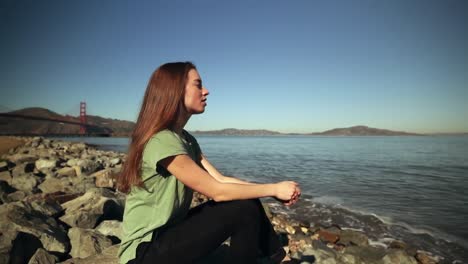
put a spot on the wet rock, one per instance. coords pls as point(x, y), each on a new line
point(320, 252)
point(328, 236)
point(348, 259)
point(86, 242)
point(351, 237)
point(43, 257)
point(110, 228)
point(94, 206)
point(396, 244)
point(424, 258)
point(17, 219)
point(398, 256)
point(366, 254)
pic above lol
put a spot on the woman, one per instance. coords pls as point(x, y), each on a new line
point(164, 166)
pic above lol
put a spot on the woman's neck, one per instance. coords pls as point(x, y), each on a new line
point(180, 124)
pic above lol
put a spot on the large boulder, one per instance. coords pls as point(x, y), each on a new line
point(52, 185)
point(94, 206)
point(87, 242)
point(107, 256)
point(110, 228)
point(43, 257)
point(24, 230)
point(398, 256)
point(351, 237)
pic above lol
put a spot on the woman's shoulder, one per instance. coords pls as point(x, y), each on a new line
point(164, 137)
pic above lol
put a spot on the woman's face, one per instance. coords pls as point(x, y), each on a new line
point(195, 93)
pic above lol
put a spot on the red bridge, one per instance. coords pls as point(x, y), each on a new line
point(85, 128)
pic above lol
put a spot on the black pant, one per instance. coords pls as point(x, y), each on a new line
point(206, 227)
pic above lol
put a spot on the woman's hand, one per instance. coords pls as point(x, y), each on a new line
point(287, 192)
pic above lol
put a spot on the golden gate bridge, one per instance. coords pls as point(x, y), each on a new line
point(85, 128)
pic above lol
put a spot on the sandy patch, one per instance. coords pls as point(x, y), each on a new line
point(7, 143)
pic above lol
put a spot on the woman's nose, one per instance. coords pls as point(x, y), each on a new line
point(205, 91)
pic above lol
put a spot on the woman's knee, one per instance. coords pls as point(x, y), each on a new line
point(249, 208)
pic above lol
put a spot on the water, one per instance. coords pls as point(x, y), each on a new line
point(408, 188)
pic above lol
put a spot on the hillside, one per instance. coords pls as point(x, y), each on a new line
point(42, 121)
point(363, 131)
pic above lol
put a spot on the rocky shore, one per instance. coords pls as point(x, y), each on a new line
point(58, 204)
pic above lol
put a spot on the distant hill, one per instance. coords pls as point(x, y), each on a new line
point(363, 131)
point(43, 122)
point(238, 132)
point(350, 131)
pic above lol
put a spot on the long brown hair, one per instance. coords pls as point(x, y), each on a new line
point(162, 105)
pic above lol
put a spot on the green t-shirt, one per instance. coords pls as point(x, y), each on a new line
point(164, 199)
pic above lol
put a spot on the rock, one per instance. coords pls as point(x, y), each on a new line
point(5, 190)
point(105, 178)
point(95, 205)
point(366, 254)
point(22, 168)
point(5, 176)
point(77, 147)
point(290, 230)
point(320, 252)
point(115, 161)
point(22, 158)
point(16, 196)
point(108, 256)
point(22, 227)
point(396, 244)
point(110, 228)
point(398, 256)
point(3, 166)
point(351, 237)
point(348, 259)
point(88, 166)
point(72, 162)
point(43, 257)
point(424, 258)
point(47, 207)
point(46, 164)
point(86, 242)
point(26, 182)
point(328, 236)
point(52, 185)
point(66, 172)
point(35, 142)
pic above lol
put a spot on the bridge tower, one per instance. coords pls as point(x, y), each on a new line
point(83, 118)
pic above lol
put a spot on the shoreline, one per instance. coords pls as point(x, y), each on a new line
point(66, 175)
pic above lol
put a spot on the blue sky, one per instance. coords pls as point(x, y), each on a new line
point(290, 66)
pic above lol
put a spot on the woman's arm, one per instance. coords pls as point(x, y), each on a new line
point(192, 175)
point(218, 175)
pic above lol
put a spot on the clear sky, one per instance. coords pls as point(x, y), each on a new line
point(289, 66)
